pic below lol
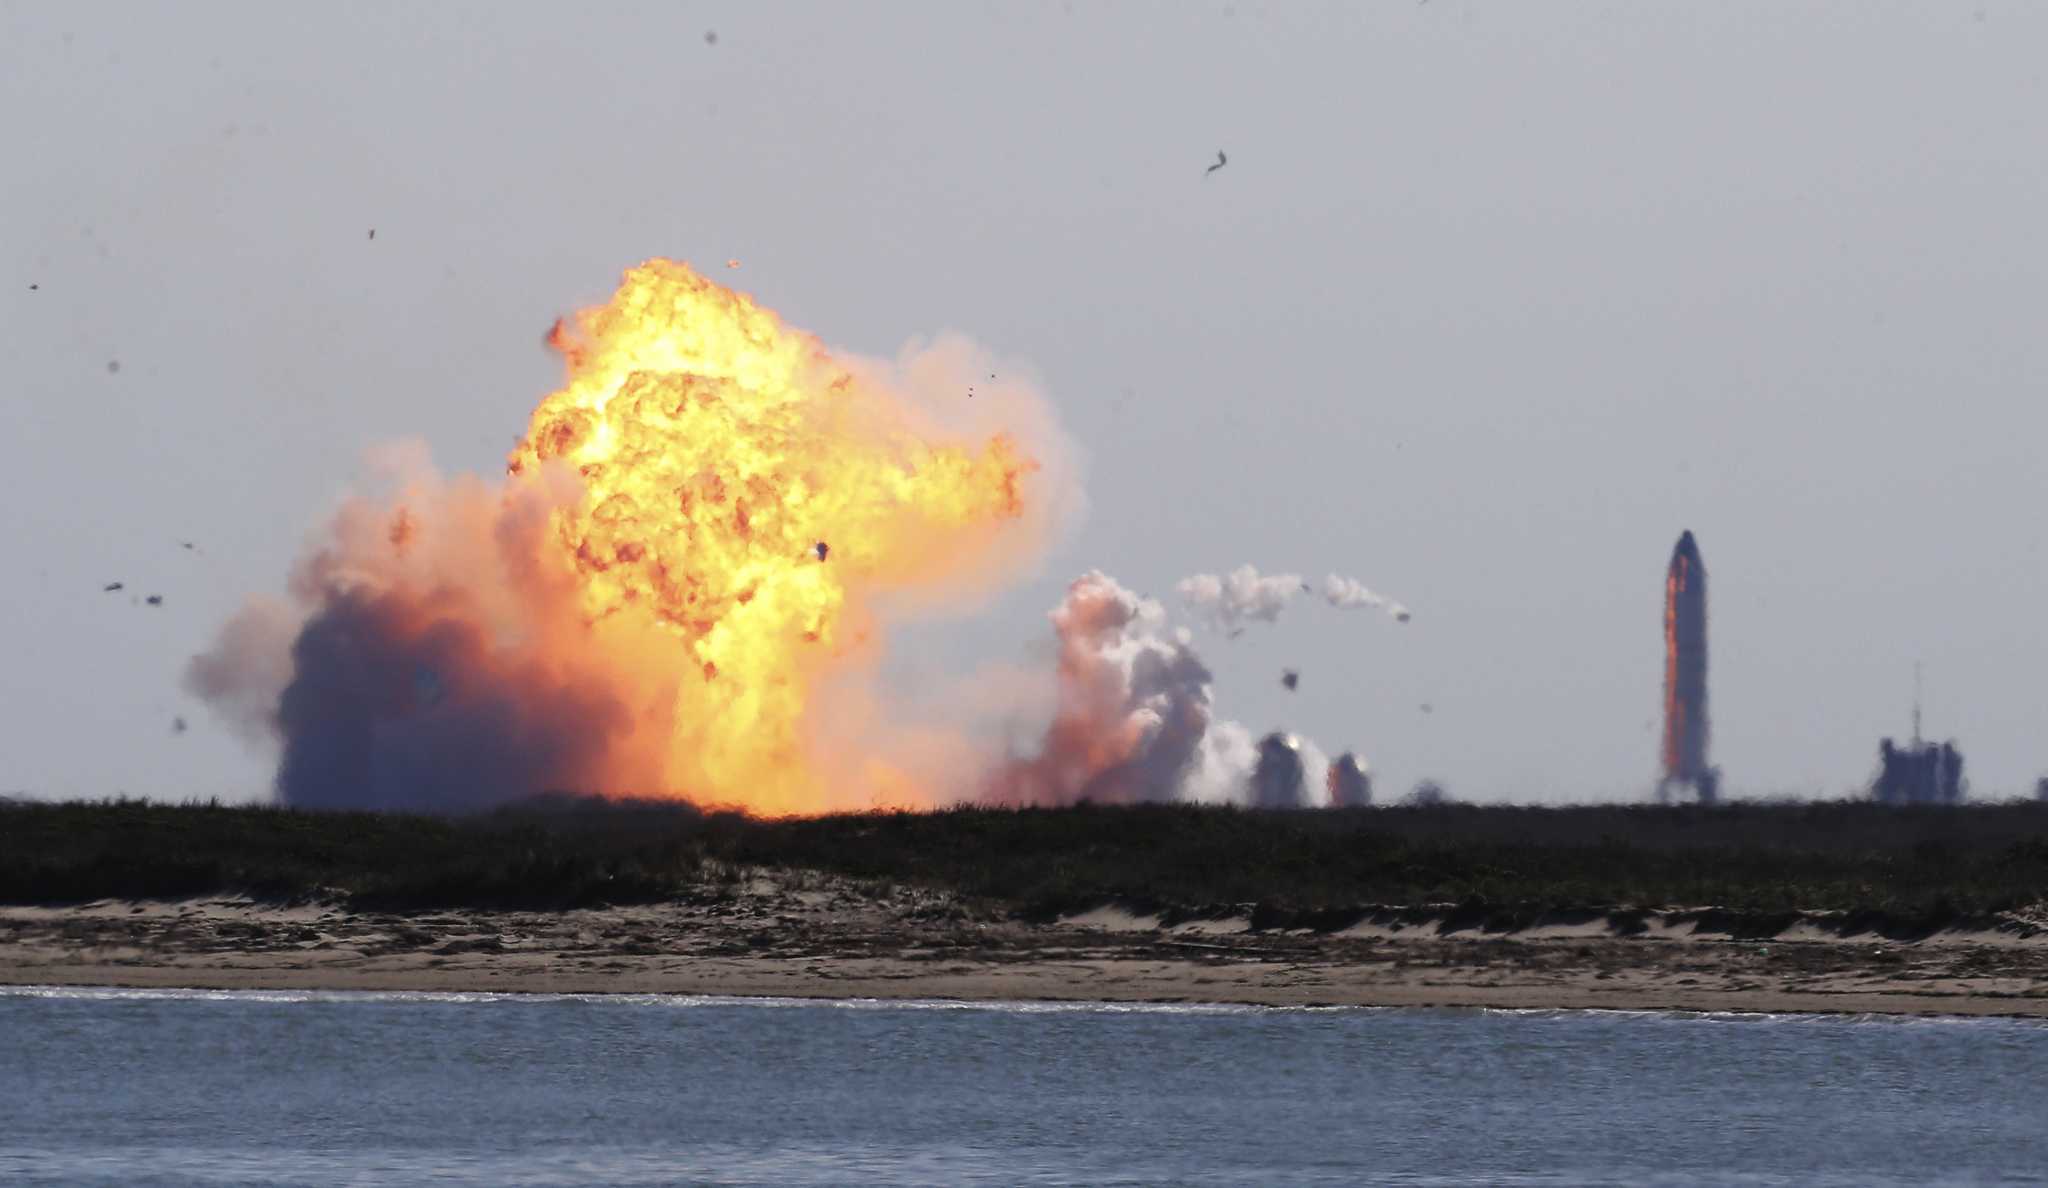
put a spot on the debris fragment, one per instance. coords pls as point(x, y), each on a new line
point(177, 725)
point(711, 37)
point(1290, 678)
point(373, 233)
point(155, 600)
point(732, 263)
point(110, 587)
point(113, 367)
point(1221, 161)
point(822, 548)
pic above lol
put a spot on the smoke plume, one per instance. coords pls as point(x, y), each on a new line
point(1243, 595)
point(1135, 718)
point(1344, 593)
point(1230, 601)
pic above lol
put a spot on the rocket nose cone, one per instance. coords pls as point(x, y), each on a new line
point(1685, 540)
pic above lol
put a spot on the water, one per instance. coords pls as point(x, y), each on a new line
point(137, 1087)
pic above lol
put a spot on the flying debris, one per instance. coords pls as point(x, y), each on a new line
point(1221, 161)
point(178, 726)
point(155, 600)
point(110, 587)
point(1290, 678)
point(33, 288)
point(822, 549)
point(711, 37)
point(1427, 708)
point(373, 233)
point(113, 367)
point(732, 263)
point(188, 546)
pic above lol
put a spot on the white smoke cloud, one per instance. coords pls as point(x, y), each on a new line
point(1135, 718)
point(1231, 601)
point(1345, 593)
point(1243, 595)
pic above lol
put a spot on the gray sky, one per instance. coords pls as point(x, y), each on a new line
point(1492, 300)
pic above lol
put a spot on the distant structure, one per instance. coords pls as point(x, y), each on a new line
point(1922, 773)
point(1278, 781)
point(1350, 783)
point(1686, 771)
point(2041, 789)
point(1919, 772)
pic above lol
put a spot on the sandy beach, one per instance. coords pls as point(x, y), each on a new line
point(817, 937)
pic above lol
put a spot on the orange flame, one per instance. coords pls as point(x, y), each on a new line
point(741, 493)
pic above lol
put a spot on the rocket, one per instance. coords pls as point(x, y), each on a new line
point(1685, 675)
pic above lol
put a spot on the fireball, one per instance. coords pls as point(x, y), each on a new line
point(742, 494)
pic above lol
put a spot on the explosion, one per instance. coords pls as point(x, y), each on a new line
point(680, 585)
point(689, 547)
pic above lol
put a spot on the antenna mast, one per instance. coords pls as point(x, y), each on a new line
point(1916, 705)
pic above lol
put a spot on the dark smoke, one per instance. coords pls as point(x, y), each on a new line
point(1279, 781)
point(424, 662)
point(398, 703)
point(1350, 783)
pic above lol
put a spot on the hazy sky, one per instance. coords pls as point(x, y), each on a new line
point(1492, 300)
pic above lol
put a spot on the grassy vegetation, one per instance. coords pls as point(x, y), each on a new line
point(1901, 863)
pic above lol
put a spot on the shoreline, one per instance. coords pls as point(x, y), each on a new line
point(1008, 989)
point(814, 939)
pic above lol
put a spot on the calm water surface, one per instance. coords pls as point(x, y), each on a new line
point(136, 1087)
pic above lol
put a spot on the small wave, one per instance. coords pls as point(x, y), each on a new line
point(464, 997)
point(1007, 1007)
